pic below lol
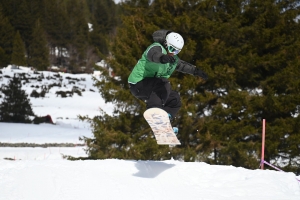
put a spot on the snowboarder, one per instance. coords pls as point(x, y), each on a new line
point(148, 80)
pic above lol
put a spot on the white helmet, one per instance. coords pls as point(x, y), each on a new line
point(174, 40)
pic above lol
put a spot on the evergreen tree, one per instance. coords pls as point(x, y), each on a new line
point(3, 58)
point(6, 39)
point(18, 55)
point(104, 12)
point(256, 57)
point(23, 22)
point(36, 9)
point(9, 8)
point(39, 57)
point(104, 17)
point(78, 34)
point(57, 27)
point(65, 25)
point(15, 106)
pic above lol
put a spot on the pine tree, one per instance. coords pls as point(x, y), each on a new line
point(104, 17)
point(78, 35)
point(18, 55)
point(6, 39)
point(23, 22)
point(39, 53)
point(16, 106)
point(246, 51)
point(3, 58)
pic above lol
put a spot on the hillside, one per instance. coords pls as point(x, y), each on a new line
point(81, 97)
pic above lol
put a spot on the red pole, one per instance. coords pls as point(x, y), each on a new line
point(263, 144)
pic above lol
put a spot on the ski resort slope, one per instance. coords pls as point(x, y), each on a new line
point(147, 180)
point(28, 173)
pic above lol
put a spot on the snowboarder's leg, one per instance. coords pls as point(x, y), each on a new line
point(172, 104)
point(157, 93)
point(154, 101)
point(144, 89)
point(160, 93)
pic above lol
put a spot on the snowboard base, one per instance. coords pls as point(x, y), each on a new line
point(159, 122)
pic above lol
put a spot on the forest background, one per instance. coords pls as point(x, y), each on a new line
point(248, 48)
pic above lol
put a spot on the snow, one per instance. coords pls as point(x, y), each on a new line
point(43, 133)
point(125, 179)
point(28, 173)
point(63, 110)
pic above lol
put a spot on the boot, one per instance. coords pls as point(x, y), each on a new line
point(175, 130)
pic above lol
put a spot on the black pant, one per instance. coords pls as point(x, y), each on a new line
point(157, 93)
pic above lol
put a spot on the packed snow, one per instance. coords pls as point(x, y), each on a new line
point(28, 173)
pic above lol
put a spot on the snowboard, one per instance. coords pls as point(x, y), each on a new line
point(159, 122)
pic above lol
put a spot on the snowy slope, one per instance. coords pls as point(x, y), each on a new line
point(61, 109)
point(41, 173)
point(147, 180)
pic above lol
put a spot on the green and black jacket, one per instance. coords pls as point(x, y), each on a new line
point(149, 65)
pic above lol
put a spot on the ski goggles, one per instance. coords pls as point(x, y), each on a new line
point(173, 49)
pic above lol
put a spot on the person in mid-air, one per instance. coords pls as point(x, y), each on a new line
point(148, 80)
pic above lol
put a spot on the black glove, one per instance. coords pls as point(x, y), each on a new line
point(167, 59)
point(201, 74)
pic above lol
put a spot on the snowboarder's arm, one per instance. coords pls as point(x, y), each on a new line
point(155, 55)
point(188, 68)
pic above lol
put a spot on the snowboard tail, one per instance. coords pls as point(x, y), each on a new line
point(159, 122)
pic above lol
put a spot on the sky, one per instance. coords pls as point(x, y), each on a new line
point(28, 173)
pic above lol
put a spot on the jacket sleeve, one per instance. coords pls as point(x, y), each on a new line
point(154, 54)
point(185, 67)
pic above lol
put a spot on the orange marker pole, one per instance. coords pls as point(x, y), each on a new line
point(263, 144)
